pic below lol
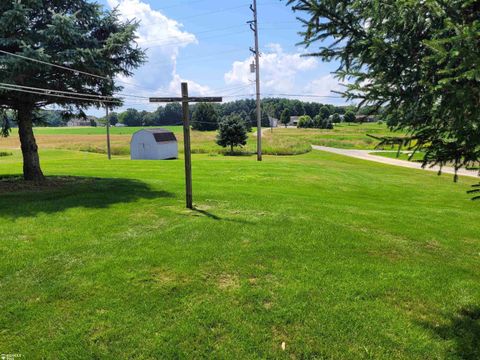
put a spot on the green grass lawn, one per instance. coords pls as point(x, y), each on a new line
point(338, 258)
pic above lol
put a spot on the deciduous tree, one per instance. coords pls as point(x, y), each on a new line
point(205, 117)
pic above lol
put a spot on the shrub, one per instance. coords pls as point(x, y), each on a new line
point(336, 118)
point(305, 121)
point(320, 123)
point(349, 117)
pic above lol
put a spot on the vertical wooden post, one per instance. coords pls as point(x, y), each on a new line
point(186, 144)
point(109, 150)
point(257, 77)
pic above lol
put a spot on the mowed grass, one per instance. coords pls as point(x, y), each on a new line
point(336, 257)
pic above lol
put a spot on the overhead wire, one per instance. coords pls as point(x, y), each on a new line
point(102, 101)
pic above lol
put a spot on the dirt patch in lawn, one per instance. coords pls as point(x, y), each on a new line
point(9, 184)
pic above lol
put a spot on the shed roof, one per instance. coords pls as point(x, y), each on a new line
point(162, 135)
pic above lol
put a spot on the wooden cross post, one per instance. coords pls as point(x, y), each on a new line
point(186, 100)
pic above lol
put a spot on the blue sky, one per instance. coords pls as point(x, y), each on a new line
point(206, 42)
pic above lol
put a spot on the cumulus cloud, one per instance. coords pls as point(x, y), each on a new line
point(193, 87)
point(279, 70)
point(163, 38)
point(324, 86)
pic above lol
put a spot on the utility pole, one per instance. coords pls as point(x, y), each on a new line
point(109, 149)
point(256, 52)
point(185, 100)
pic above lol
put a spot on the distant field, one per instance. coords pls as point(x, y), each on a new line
point(279, 142)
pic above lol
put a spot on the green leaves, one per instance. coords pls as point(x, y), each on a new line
point(77, 34)
point(417, 61)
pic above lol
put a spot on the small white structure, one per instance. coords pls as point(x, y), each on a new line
point(153, 144)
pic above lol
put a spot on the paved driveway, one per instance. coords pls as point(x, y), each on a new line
point(365, 155)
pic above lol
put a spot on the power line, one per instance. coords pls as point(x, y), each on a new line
point(150, 41)
point(213, 12)
point(66, 68)
point(59, 96)
point(57, 91)
point(205, 38)
point(307, 95)
point(70, 92)
point(54, 65)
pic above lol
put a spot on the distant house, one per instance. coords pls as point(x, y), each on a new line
point(153, 144)
point(293, 120)
point(89, 121)
point(120, 125)
point(273, 121)
point(365, 118)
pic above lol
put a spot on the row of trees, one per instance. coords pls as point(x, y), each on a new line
point(171, 114)
point(317, 122)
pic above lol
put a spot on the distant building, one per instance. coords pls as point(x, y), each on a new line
point(89, 121)
point(120, 125)
point(365, 118)
point(153, 144)
point(273, 121)
point(293, 121)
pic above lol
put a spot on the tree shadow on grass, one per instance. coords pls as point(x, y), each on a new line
point(463, 329)
point(19, 198)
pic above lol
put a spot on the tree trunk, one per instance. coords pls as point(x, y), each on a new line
point(231, 149)
point(31, 161)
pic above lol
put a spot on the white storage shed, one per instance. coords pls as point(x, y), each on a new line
point(153, 144)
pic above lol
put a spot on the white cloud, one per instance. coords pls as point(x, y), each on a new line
point(193, 87)
point(163, 38)
point(324, 86)
point(279, 70)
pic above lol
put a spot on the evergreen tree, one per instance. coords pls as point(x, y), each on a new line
point(205, 117)
point(77, 34)
point(285, 118)
point(416, 61)
point(232, 132)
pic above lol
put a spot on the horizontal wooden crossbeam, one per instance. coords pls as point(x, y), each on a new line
point(180, 99)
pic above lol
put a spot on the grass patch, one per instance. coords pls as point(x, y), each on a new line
point(279, 142)
point(321, 252)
